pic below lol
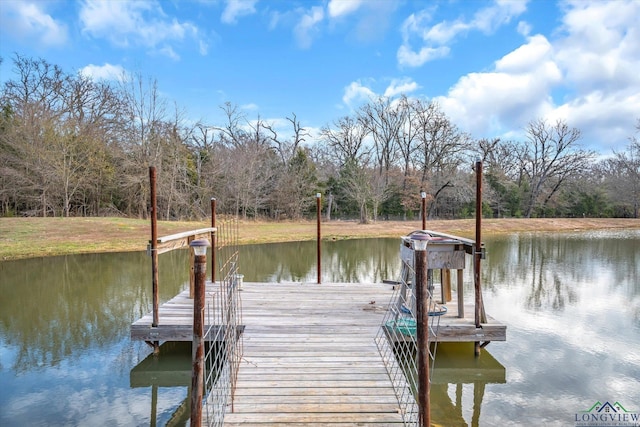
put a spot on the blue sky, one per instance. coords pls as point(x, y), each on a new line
point(493, 66)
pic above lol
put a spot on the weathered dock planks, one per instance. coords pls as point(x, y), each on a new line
point(176, 315)
point(310, 357)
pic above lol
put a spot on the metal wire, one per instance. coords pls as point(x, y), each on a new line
point(222, 334)
point(396, 338)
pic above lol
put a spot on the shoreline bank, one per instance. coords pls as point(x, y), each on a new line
point(38, 237)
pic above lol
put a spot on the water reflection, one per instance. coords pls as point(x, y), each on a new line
point(554, 267)
point(360, 260)
point(172, 368)
point(53, 308)
point(571, 303)
point(457, 374)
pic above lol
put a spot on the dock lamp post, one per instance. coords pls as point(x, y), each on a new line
point(423, 210)
point(197, 350)
point(419, 242)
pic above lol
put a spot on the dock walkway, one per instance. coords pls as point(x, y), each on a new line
point(310, 357)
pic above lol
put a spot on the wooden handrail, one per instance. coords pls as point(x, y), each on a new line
point(181, 240)
point(184, 234)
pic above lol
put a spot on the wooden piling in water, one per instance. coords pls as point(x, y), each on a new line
point(197, 352)
point(422, 336)
point(212, 239)
point(154, 251)
point(480, 316)
point(319, 243)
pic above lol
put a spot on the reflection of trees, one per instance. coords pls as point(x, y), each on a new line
point(554, 266)
point(54, 308)
point(359, 260)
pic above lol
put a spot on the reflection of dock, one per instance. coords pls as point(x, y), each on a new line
point(171, 367)
point(454, 367)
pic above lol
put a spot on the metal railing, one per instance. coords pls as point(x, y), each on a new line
point(398, 340)
point(222, 334)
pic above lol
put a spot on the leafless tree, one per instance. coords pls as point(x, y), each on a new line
point(442, 147)
point(346, 137)
point(383, 119)
point(288, 148)
point(623, 174)
point(549, 158)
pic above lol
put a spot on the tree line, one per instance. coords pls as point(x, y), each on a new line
point(74, 146)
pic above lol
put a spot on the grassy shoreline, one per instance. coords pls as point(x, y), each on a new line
point(37, 237)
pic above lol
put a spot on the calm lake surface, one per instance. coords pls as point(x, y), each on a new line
point(571, 303)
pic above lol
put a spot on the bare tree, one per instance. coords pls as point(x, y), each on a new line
point(288, 148)
point(442, 147)
point(347, 140)
point(623, 174)
point(383, 120)
point(550, 157)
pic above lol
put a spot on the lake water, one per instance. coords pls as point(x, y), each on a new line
point(571, 303)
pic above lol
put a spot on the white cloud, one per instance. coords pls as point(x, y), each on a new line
point(603, 52)
point(600, 55)
point(237, 8)
point(305, 28)
point(524, 28)
point(517, 91)
point(406, 56)
point(434, 39)
point(139, 23)
point(356, 94)
point(400, 87)
point(250, 107)
point(489, 19)
point(586, 76)
point(203, 47)
point(28, 20)
point(104, 72)
point(337, 8)
point(526, 57)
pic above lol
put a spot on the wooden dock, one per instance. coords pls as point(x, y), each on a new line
point(309, 355)
point(176, 315)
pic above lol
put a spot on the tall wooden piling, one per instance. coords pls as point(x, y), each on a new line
point(480, 317)
point(319, 243)
point(422, 336)
point(212, 239)
point(423, 209)
point(197, 350)
point(154, 251)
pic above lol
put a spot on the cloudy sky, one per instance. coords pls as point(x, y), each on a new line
point(493, 66)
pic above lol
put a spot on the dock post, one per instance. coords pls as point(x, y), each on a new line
point(423, 209)
point(154, 252)
point(197, 350)
point(213, 235)
point(319, 248)
point(422, 328)
point(477, 255)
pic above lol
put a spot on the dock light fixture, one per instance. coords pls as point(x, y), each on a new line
point(423, 195)
point(420, 241)
point(318, 195)
point(200, 246)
